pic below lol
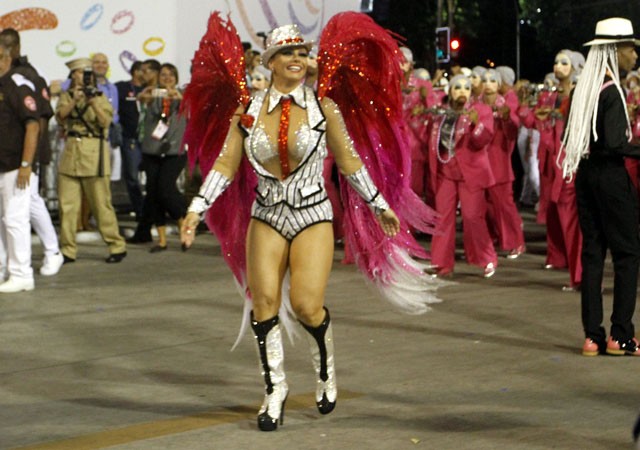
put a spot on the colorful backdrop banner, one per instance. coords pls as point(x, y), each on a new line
point(55, 31)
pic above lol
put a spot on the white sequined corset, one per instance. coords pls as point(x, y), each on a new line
point(264, 151)
point(305, 185)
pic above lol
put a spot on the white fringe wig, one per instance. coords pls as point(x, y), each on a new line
point(601, 60)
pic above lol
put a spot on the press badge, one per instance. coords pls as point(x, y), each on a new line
point(160, 130)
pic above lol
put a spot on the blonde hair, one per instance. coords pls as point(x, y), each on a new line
point(601, 60)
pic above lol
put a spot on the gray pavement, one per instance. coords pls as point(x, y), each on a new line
point(136, 356)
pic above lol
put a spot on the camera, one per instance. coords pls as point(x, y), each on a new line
point(89, 84)
point(159, 92)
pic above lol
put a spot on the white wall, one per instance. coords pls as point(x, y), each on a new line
point(88, 26)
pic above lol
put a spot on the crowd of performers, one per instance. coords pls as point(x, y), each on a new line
point(463, 132)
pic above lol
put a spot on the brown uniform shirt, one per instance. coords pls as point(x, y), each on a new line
point(81, 156)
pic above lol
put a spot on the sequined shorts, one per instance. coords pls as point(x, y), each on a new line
point(288, 221)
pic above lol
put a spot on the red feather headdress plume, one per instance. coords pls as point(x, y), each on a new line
point(218, 86)
point(359, 69)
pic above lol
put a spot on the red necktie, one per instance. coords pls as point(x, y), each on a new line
point(283, 136)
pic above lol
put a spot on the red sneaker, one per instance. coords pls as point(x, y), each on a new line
point(617, 348)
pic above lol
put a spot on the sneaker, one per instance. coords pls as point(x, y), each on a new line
point(17, 285)
point(489, 270)
point(617, 348)
point(590, 348)
point(571, 288)
point(51, 264)
point(516, 252)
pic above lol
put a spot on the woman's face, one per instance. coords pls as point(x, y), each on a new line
point(290, 64)
point(562, 66)
point(490, 83)
point(460, 91)
point(476, 80)
point(259, 81)
point(167, 78)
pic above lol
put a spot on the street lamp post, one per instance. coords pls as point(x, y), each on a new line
point(517, 40)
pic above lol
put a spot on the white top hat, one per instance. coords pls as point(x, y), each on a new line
point(282, 37)
point(612, 31)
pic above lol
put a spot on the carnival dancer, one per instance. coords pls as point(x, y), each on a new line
point(414, 93)
point(527, 143)
point(558, 197)
point(632, 85)
point(273, 153)
point(597, 138)
point(503, 213)
point(476, 83)
point(460, 171)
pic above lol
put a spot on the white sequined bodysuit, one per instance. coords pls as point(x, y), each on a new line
point(300, 200)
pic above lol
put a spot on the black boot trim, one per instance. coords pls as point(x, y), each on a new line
point(318, 334)
point(261, 330)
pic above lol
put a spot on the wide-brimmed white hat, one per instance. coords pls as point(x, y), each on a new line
point(283, 37)
point(613, 31)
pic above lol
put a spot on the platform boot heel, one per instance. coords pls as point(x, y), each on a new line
point(321, 344)
point(270, 350)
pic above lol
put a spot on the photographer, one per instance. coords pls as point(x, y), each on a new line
point(84, 165)
point(162, 159)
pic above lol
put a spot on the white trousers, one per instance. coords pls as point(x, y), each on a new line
point(15, 229)
point(41, 220)
point(531, 179)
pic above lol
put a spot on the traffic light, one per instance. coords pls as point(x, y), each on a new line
point(443, 47)
point(454, 46)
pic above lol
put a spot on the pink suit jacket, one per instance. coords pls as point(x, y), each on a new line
point(470, 148)
point(504, 139)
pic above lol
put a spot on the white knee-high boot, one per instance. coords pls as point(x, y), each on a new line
point(270, 350)
point(321, 344)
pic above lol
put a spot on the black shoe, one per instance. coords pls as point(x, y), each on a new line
point(268, 423)
point(67, 260)
point(116, 257)
point(157, 248)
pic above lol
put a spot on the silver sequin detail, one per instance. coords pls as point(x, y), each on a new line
point(330, 387)
point(275, 359)
point(362, 183)
point(264, 151)
point(213, 186)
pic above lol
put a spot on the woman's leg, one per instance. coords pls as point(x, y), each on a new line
point(310, 260)
point(267, 260)
point(152, 208)
point(267, 256)
point(170, 199)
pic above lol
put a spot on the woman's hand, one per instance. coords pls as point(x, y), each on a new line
point(473, 116)
point(389, 222)
point(188, 229)
point(174, 94)
point(543, 113)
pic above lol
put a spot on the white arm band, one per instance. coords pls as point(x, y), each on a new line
point(362, 183)
point(213, 186)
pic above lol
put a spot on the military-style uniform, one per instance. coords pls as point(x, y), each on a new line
point(39, 214)
point(17, 107)
point(84, 167)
